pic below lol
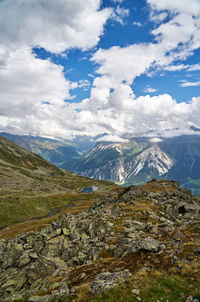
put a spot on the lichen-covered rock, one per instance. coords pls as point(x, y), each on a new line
point(107, 280)
point(53, 247)
point(146, 244)
point(114, 227)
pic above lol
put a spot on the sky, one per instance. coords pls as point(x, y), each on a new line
point(111, 68)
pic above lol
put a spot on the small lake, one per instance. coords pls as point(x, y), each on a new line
point(89, 189)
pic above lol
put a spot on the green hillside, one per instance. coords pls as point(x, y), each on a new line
point(32, 187)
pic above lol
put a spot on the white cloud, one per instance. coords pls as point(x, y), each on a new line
point(181, 32)
point(112, 138)
point(139, 24)
point(155, 17)
point(33, 91)
point(119, 14)
point(117, 1)
point(185, 6)
point(194, 67)
point(26, 81)
point(176, 67)
point(85, 84)
point(190, 84)
point(112, 97)
point(155, 140)
point(137, 59)
point(149, 90)
point(53, 25)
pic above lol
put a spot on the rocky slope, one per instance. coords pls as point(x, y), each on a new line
point(141, 228)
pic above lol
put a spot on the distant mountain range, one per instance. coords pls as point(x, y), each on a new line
point(58, 152)
point(142, 159)
point(135, 162)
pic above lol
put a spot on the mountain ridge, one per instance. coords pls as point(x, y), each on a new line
point(141, 160)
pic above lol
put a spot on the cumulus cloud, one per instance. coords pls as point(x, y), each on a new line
point(53, 25)
point(35, 93)
point(112, 96)
point(26, 81)
point(175, 6)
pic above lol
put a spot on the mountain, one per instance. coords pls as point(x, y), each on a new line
point(57, 152)
point(31, 187)
point(142, 159)
point(14, 156)
point(139, 244)
point(137, 161)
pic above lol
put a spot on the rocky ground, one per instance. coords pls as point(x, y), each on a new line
point(145, 228)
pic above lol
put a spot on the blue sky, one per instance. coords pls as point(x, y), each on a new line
point(121, 67)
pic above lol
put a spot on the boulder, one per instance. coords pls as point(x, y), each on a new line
point(107, 280)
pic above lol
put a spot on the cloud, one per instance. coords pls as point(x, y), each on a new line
point(85, 84)
point(174, 6)
point(53, 25)
point(27, 81)
point(190, 84)
point(137, 59)
point(149, 89)
point(33, 91)
point(182, 30)
point(194, 67)
point(155, 140)
point(117, 1)
point(119, 14)
point(139, 24)
point(176, 67)
point(155, 17)
point(112, 138)
point(35, 94)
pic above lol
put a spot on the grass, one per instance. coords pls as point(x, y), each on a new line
point(14, 208)
point(156, 186)
point(75, 203)
point(152, 288)
point(25, 195)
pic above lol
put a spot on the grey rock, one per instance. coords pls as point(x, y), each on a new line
point(147, 244)
point(106, 280)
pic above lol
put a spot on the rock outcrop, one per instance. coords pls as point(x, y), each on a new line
point(45, 265)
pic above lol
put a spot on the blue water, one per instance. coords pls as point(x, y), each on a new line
point(89, 189)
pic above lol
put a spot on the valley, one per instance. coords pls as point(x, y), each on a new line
point(134, 162)
point(31, 187)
